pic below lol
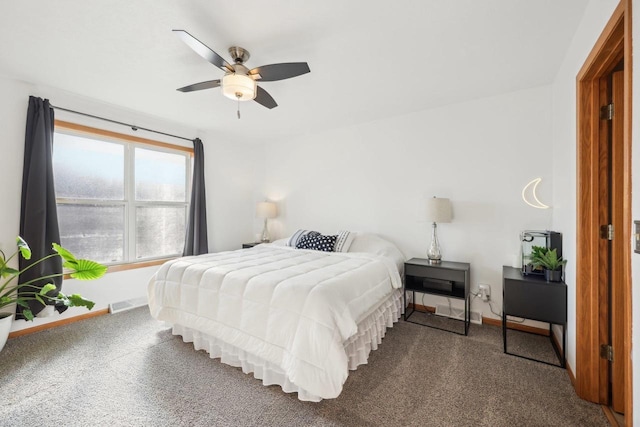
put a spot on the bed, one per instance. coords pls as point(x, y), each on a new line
point(297, 318)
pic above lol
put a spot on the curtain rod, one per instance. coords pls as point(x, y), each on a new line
point(133, 127)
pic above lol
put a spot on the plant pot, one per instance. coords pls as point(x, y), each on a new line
point(5, 327)
point(553, 275)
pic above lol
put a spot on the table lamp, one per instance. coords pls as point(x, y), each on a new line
point(266, 210)
point(438, 210)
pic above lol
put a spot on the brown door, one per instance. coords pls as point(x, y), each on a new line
point(611, 249)
point(617, 303)
point(603, 266)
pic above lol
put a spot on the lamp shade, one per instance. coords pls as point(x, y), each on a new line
point(238, 87)
point(439, 210)
point(266, 210)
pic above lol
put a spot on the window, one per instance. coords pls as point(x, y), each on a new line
point(120, 199)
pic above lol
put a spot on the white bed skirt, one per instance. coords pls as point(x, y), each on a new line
point(371, 330)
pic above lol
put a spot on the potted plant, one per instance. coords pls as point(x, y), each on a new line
point(81, 269)
point(551, 262)
point(537, 252)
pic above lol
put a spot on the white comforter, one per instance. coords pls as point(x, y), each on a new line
point(294, 308)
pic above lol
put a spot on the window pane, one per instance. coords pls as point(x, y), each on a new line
point(159, 230)
point(160, 176)
point(93, 231)
point(86, 168)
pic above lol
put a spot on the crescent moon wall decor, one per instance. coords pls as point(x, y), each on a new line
point(530, 190)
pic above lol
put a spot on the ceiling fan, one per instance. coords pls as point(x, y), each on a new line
point(239, 82)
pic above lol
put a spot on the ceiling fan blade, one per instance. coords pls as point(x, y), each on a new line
point(263, 98)
point(204, 51)
point(199, 86)
point(274, 72)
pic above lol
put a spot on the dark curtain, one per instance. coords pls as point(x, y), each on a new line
point(38, 213)
point(196, 239)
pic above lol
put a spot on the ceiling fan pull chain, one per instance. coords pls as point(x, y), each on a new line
point(238, 108)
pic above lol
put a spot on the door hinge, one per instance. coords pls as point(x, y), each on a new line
point(606, 231)
point(606, 352)
point(606, 112)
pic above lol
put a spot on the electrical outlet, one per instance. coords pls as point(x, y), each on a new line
point(485, 292)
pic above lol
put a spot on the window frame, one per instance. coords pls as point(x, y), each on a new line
point(130, 204)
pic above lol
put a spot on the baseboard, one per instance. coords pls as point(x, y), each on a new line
point(493, 322)
point(608, 412)
point(420, 307)
point(554, 337)
point(517, 326)
point(57, 323)
point(572, 377)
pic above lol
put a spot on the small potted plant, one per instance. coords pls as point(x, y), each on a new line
point(550, 262)
point(532, 266)
point(81, 269)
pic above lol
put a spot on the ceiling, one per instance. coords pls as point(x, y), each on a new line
point(368, 59)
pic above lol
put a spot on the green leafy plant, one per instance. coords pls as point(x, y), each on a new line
point(546, 258)
point(537, 252)
point(81, 269)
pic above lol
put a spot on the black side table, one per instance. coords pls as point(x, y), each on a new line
point(532, 297)
point(250, 245)
point(448, 279)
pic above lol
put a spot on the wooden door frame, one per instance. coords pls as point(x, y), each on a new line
point(613, 43)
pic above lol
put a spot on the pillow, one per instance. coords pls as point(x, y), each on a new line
point(317, 242)
point(370, 243)
point(295, 237)
point(280, 242)
point(344, 240)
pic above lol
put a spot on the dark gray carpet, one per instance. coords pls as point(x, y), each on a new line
point(128, 370)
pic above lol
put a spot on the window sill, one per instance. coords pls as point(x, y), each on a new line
point(130, 266)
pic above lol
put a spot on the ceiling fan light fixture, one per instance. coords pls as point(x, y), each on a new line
point(238, 87)
point(239, 82)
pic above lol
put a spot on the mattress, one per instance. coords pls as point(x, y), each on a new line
point(290, 314)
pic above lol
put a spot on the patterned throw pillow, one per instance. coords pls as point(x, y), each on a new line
point(317, 242)
point(295, 237)
point(344, 240)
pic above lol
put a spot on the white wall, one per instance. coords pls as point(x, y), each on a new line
point(564, 147)
point(231, 173)
point(234, 177)
point(375, 177)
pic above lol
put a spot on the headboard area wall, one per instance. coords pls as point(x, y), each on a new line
point(376, 177)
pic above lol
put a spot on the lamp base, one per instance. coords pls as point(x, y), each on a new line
point(265, 233)
point(434, 254)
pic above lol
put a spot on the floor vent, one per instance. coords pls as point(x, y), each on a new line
point(458, 313)
point(119, 306)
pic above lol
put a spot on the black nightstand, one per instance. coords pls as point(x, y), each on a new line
point(250, 245)
point(532, 297)
point(448, 279)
